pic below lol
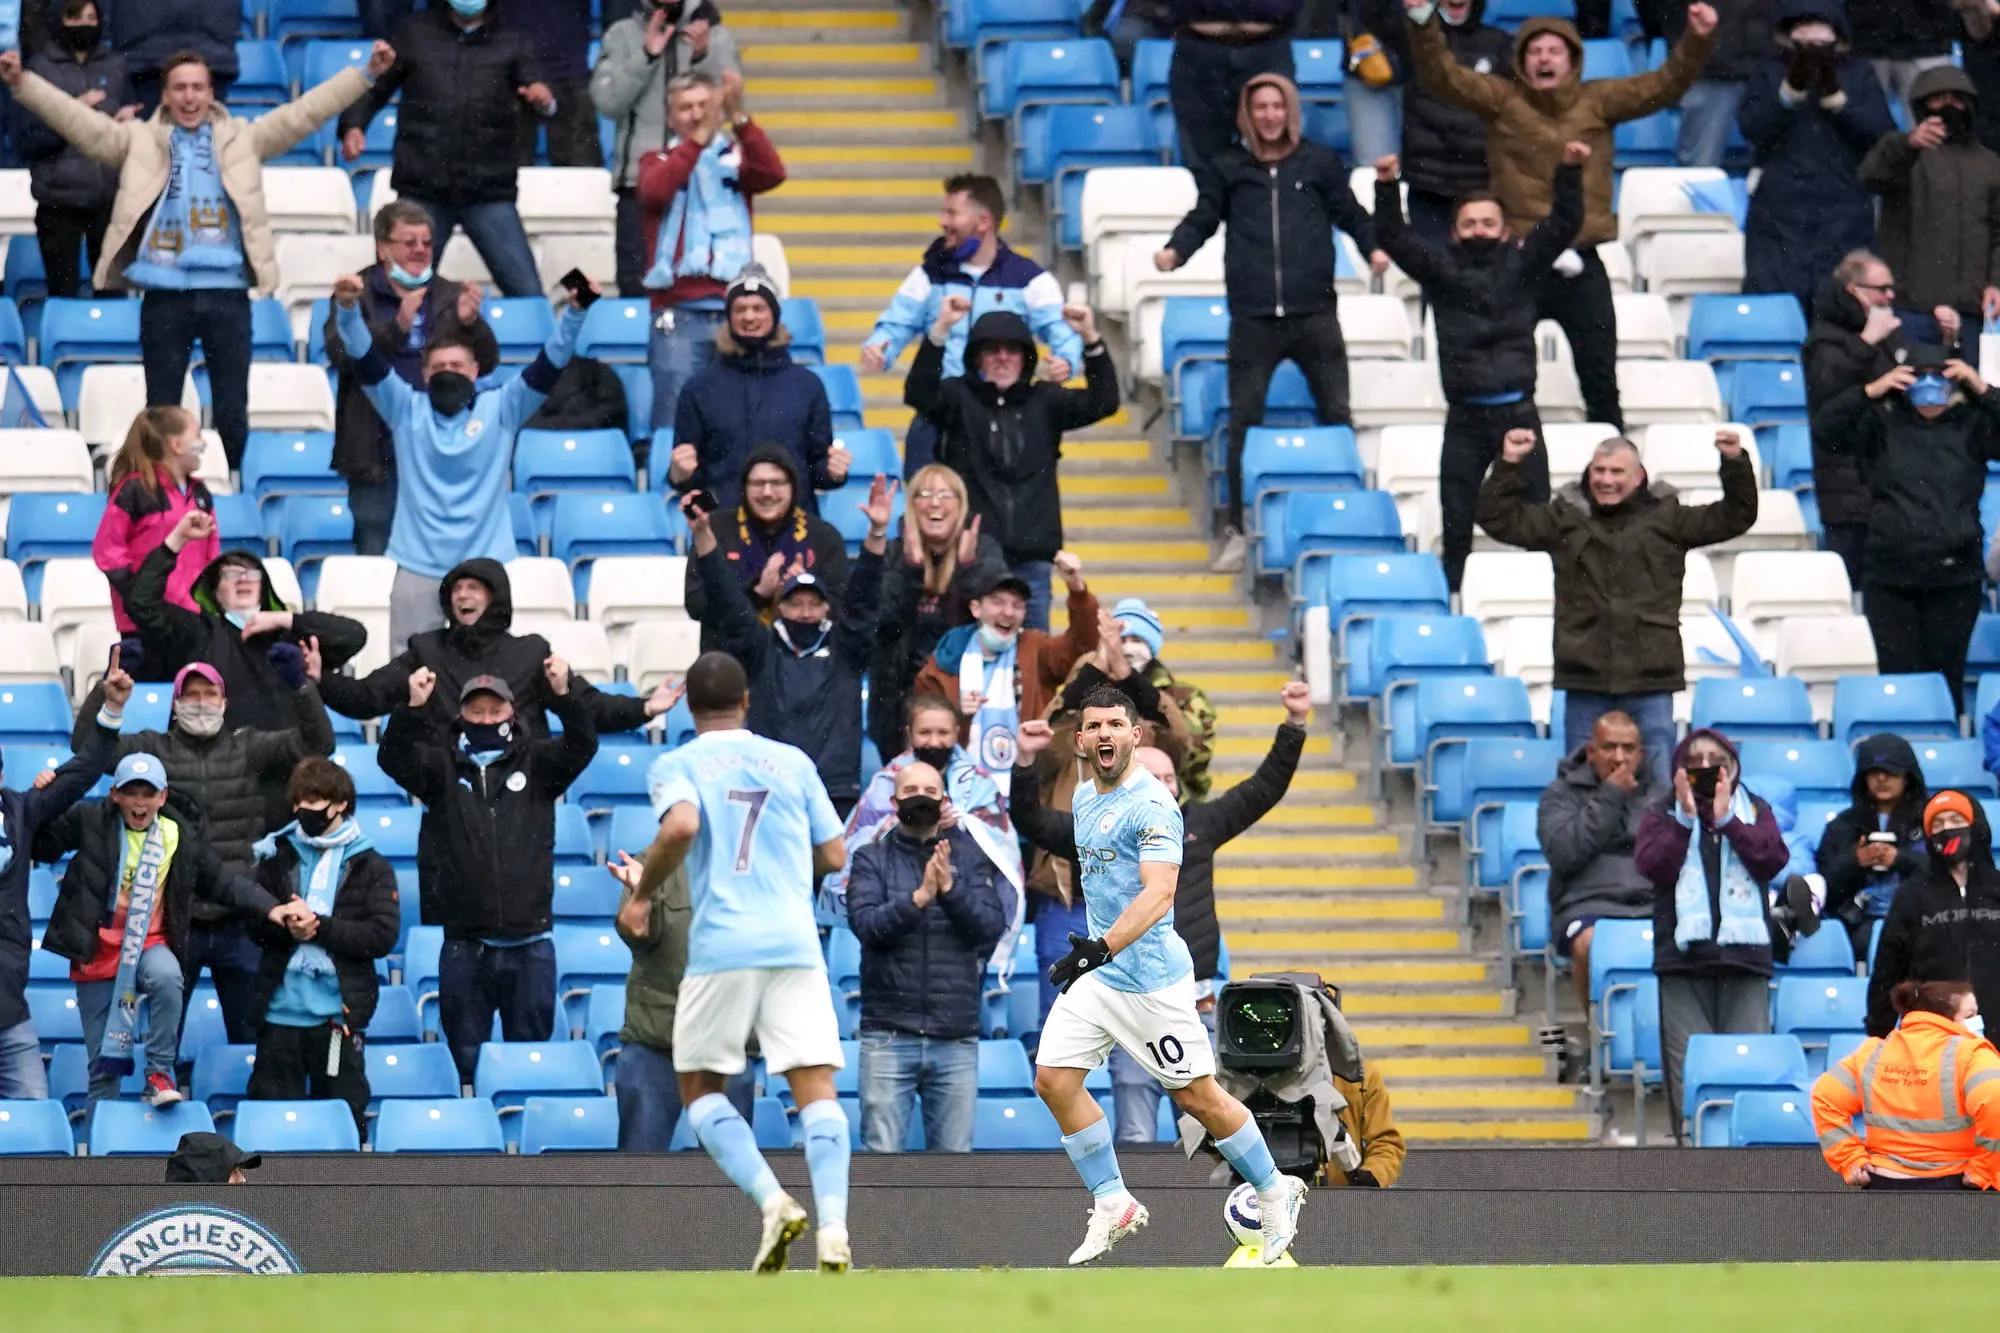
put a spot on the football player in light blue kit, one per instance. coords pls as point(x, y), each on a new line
point(1132, 983)
point(753, 821)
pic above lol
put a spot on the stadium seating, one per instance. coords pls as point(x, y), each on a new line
point(1718, 1066)
point(509, 1071)
point(130, 1128)
point(1814, 1008)
point(421, 1070)
point(35, 1129)
point(1763, 1118)
point(279, 1127)
point(447, 1125)
point(569, 1124)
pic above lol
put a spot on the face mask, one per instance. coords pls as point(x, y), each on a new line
point(237, 618)
point(471, 9)
point(451, 393)
point(966, 249)
point(1929, 390)
point(1953, 847)
point(1957, 121)
point(482, 737)
point(1479, 246)
point(1458, 22)
point(803, 636)
point(994, 641)
point(314, 823)
point(81, 38)
point(1976, 1025)
point(1137, 654)
point(919, 811)
point(411, 281)
point(198, 719)
point(937, 756)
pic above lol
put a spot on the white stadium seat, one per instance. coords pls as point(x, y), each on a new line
point(289, 396)
point(28, 653)
point(213, 471)
point(1684, 453)
point(1406, 459)
point(1558, 394)
point(627, 591)
point(13, 592)
point(581, 644)
point(573, 200)
point(17, 204)
point(1528, 654)
point(1389, 393)
point(1375, 327)
point(1655, 199)
point(1617, 261)
point(1766, 587)
point(1499, 585)
point(74, 593)
point(1820, 650)
point(357, 586)
point(1698, 583)
point(462, 262)
point(1653, 391)
point(541, 587)
point(1571, 444)
point(307, 266)
point(1142, 283)
point(309, 199)
point(1645, 327)
point(765, 249)
point(43, 392)
point(1123, 207)
point(662, 649)
point(597, 257)
point(1361, 180)
point(1693, 263)
point(109, 396)
point(45, 460)
point(285, 582)
point(90, 652)
point(1707, 653)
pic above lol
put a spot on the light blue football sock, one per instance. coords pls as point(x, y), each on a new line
point(727, 1136)
point(1096, 1159)
point(827, 1151)
point(1251, 1156)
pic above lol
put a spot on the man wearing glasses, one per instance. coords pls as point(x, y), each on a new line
point(1855, 337)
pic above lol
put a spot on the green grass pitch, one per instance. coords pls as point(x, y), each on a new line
point(1767, 1298)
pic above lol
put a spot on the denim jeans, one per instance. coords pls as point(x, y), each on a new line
point(649, 1097)
point(169, 325)
point(495, 231)
point(1708, 113)
point(896, 1067)
point(1374, 121)
point(1035, 573)
point(674, 357)
point(476, 981)
point(232, 960)
point(22, 1075)
point(159, 978)
point(1654, 714)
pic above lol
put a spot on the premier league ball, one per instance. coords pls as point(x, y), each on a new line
point(1242, 1216)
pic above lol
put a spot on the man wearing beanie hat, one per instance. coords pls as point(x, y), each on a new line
point(1945, 920)
point(752, 394)
point(1141, 637)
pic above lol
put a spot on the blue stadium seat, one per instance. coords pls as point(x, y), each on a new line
point(615, 330)
point(1316, 524)
point(270, 333)
point(311, 528)
point(1031, 78)
point(444, 1124)
point(1817, 770)
point(588, 956)
point(547, 462)
point(1356, 589)
point(1192, 328)
point(1004, 1070)
point(88, 331)
point(290, 463)
point(261, 79)
point(1719, 1065)
point(842, 508)
point(976, 24)
point(26, 279)
point(50, 525)
point(1745, 328)
point(1449, 711)
point(1076, 139)
point(585, 896)
point(201, 1020)
point(42, 892)
point(604, 1017)
point(240, 524)
point(1511, 13)
point(1608, 58)
point(35, 1129)
point(392, 828)
point(134, 1129)
point(637, 381)
point(585, 526)
point(291, 20)
point(222, 1077)
point(1506, 837)
point(569, 1124)
point(1012, 1124)
point(1405, 649)
point(1788, 450)
point(1960, 764)
point(1281, 462)
point(843, 395)
point(378, 148)
point(1912, 706)
point(1765, 708)
point(52, 1009)
point(422, 948)
point(632, 829)
point(1320, 67)
point(1151, 62)
point(1825, 954)
point(35, 713)
point(875, 453)
point(800, 316)
point(1477, 782)
point(574, 845)
point(1814, 1008)
point(1759, 1118)
point(396, 1021)
point(424, 1069)
point(321, 1126)
point(509, 1071)
point(616, 776)
point(1525, 899)
point(1763, 393)
point(371, 784)
point(526, 540)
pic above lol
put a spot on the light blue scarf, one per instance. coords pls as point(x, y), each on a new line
point(1742, 901)
point(193, 240)
point(114, 1051)
point(712, 236)
point(320, 861)
point(991, 740)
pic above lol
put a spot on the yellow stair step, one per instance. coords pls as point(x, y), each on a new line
point(853, 256)
point(1394, 1067)
point(1239, 650)
point(846, 321)
point(1147, 517)
point(1577, 1130)
point(1088, 487)
point(814, 19)
point(1247, 715)
point(1177, 585)
point(939, 155)
point(1252, 747)
point(1236, 911)
point(1505, 1098)
point(1260, 843)
point(1109, 451)
point(857, 120)
point(1390, 973)
point(864, 224)
point(1332, 816)
point(837, 87)
point(1444, 1005)
point(1262, 682)
point(1109, 553)
point(1315, 877)
point(830, 53)
point(1398, 1034)
point(1347, 941)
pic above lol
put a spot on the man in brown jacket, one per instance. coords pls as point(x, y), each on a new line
point(1529, 116)
point(189, 227)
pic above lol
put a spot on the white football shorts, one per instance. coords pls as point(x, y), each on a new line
point(789, 1008)
point(1160, 1029)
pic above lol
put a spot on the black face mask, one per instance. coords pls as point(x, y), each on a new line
point(314, 823)
point(937, 756)
point(1957, 122)
point(919, 811)
point(1953, 848)
point(81, 38)
point(483, 736)
point(752, 343)
point(1479, 246)
point(451, 393)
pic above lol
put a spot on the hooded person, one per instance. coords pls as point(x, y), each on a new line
point(1281, 195)
point(489, 785)
point(1811, 110)
point(1711, 852)
point(1923, 433)
point(1002, 431)
point(240, 626)
point(769, 535)
point(1141, 637)
point(1530, 113)
point(1869, 849)
point(1940, 192)
point(753, 395)
point(1945, 920)
point(1481, 286)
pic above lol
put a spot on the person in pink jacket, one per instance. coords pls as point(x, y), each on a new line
point(152, 486)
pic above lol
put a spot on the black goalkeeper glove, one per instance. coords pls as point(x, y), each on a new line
point(1083, 956)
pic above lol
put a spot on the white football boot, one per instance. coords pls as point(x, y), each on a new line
point(1111, 1220)
point(1279, 1217)
point(784, 1222)
point(834, 1255)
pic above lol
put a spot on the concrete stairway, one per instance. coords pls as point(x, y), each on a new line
point(867, 127)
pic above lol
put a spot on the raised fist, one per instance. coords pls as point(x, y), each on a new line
point(1386, 168)
point(1518, 444)
point(422, 681)
point(346, 290)
point(1575, 153)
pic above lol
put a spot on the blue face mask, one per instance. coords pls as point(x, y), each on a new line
point(411, 281)
point(471, 9)
point(1930, 390)
point(966, 250)
point(237, 618)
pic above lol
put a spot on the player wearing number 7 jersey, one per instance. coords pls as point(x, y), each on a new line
point(1132, 983)
point(753, 822)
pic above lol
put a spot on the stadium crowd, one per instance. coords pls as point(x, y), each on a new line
point(924, 669)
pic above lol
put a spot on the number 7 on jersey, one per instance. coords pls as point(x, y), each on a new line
point(752, 800)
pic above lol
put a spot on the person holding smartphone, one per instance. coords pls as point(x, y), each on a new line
point(1868, 850)
point(1711, 854)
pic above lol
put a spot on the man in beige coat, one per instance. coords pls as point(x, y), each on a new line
point(189, 227)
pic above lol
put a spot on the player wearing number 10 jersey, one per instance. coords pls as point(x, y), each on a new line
point(753, 822)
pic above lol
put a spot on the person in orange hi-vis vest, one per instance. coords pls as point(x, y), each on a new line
point(1928, 1095)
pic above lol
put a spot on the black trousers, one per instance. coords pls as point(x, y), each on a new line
point(573, 138)
point(169, 325)
point(64, 234)
point(232, 961)
point(1257, 343)
point(628, 239)
point(292, 1065)
point(477, 981)
point(1472, 439)
point(1582, 305)
point(1923, 629)
point(1846, 540)
point(1205, 81)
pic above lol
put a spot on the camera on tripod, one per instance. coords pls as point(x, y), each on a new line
point(1280, 1041)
